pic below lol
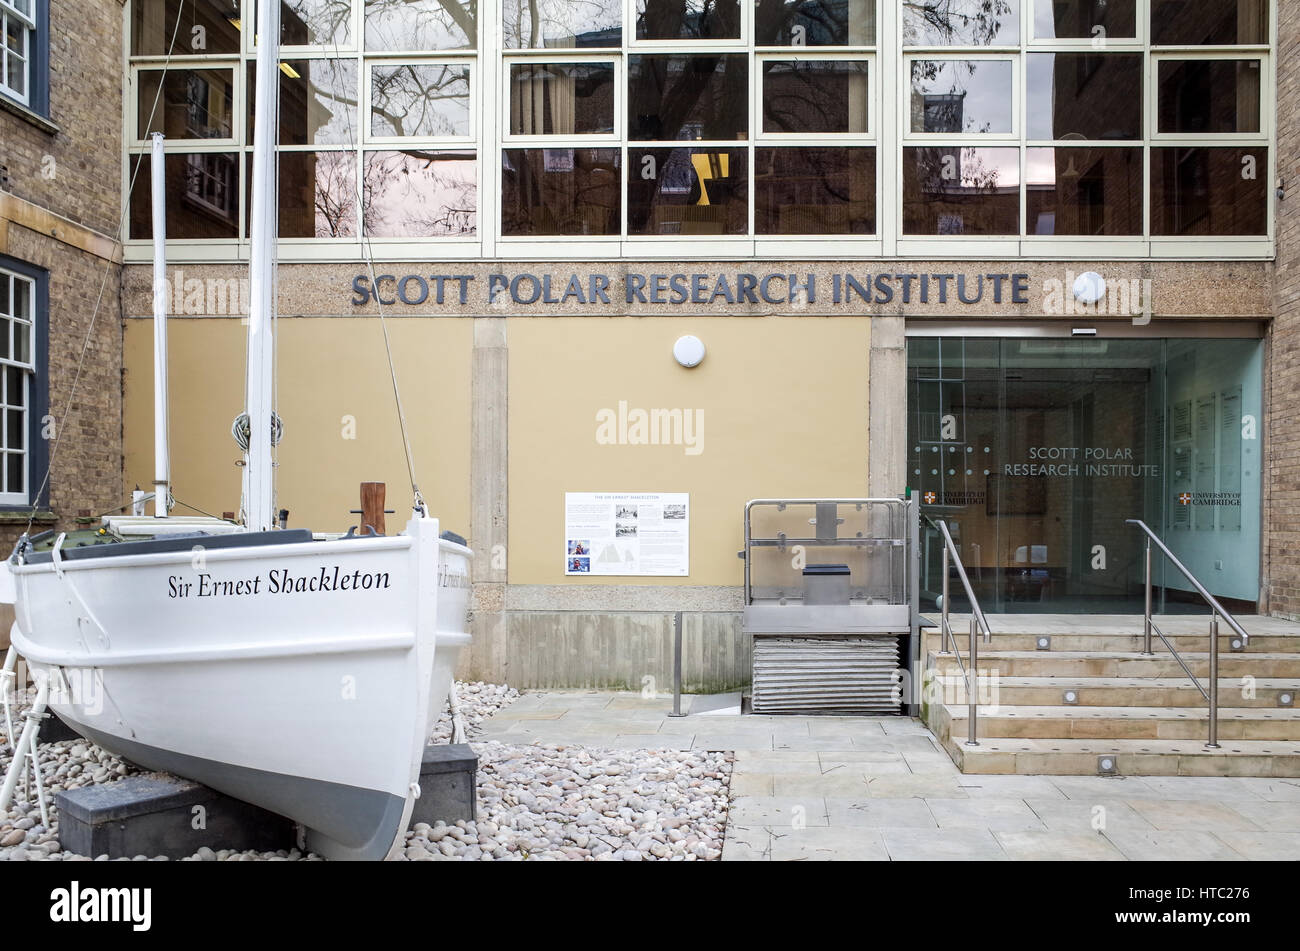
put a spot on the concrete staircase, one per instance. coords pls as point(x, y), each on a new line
point(1089, 703)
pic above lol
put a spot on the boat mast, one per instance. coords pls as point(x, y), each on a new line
point(260, 501)
point(161, 452)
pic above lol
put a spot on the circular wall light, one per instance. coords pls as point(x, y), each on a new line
point(689, 351)
point(1089, 287)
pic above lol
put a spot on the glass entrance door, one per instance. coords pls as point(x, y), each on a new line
point(1035, 451)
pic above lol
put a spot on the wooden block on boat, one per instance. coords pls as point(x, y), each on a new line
point(163, 815)
point(448, 785)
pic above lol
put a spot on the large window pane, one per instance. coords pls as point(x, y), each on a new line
point(318, 102)
point(814, 22)
point(815, 191)
point(318, 194)
point(961, 23)
point(687, 19)
point(561, 24)
point(202, 196)
point(961, 95)
point(1209, 95)
point(1084, 191)
point(1209, 22)
point(562, 99)
point(206, 27)
point(1085, 19)
point(425, 100)
point(194, 104)
point(687, 191)
point(956, 190)
point(421, 24)
point(315, 22)
point(1203, 191)
point(421, 194)
point(688, 97)
point(560, 192)
point(814, 96)
point(1084, 96)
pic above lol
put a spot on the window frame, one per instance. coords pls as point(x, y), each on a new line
point(36, 451)
point(36, 33)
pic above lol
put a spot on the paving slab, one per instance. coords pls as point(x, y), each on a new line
point(1272, 816)
point(820, 844)
point(1080, 816)
point(942, 845)
point(780, 812)
point(845, 784)
point(994, 814)
point(1009, 787)
point(1186, 814)
point(880, 813)
point(1034, 846)
point(1180, 846)
point(746, 843)
point(1262, 846)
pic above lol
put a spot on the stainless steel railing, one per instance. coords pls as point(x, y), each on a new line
point(978, 623)
point(1217, 610)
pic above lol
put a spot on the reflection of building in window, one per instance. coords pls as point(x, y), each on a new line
point(17, 300)
point(207, 108)
point(210, 183)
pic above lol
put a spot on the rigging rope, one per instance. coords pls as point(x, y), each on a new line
point(418, 500)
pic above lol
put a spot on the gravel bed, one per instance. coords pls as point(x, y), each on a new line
point(535, 802)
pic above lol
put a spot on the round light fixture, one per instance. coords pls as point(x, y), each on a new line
point(689, 351)
point(1089, 287)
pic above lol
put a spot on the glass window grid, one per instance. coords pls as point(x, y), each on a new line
point(1152, 55)
point(12, 14)
point(362, 140)
point(889, 166)
point(14, 441)
point(755, 138)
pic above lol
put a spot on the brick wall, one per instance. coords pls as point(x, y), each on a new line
point(74, 172)
point(1282, 484)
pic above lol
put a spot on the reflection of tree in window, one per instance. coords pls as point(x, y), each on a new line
point(688, 19)
point(420, 193)
point(814, 23)
point(556, 24)
point(315, 22)
point(421, 24)
point(429, 100)
point(959, 22)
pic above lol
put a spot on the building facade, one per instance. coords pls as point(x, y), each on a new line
point(60, 263)
point(1029, 259)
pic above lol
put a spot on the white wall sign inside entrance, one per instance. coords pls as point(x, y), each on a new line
point(627, 533)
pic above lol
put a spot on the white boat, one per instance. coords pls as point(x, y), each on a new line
point(296, 673)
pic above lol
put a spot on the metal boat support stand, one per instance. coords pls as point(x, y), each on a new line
point(26, 750)
point(8, 679)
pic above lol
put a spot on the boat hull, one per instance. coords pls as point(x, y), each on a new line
point(307, 690)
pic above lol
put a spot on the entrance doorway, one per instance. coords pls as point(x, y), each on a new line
point(1035, 450)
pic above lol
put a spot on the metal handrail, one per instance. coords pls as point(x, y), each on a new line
point(977, 623)
point(1217, 610)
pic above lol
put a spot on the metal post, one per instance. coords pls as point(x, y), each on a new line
point(972, 683)
point(943, 625)
point(1214, 682)
point(1146, 649)
point(677, 665)
point(25, 742)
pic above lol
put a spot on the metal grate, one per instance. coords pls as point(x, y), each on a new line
point(840, 674)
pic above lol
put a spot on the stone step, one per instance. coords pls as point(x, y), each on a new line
point(1185, 642)
point(1131, 723)
point(1122, 664)
point(1048, 757)
point(1175, 691)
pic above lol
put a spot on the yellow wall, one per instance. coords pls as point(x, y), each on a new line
point(785, 415)
point(328, 368)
